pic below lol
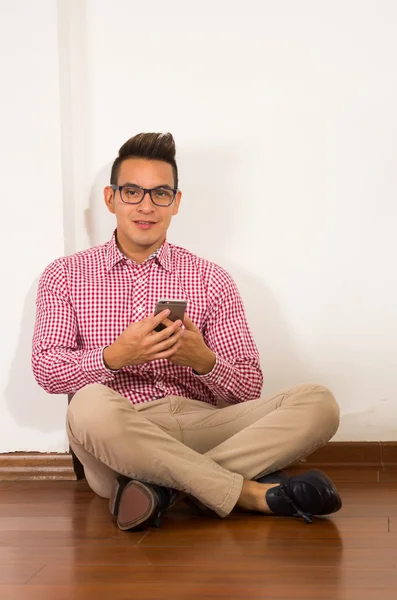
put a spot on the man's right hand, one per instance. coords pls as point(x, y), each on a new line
point(139, 343)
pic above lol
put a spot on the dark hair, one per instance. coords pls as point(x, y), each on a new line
point(153, 146)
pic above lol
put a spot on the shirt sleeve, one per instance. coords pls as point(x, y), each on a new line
point(59, 366)
point(236, 375)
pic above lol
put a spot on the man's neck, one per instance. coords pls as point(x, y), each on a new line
point(140, 253)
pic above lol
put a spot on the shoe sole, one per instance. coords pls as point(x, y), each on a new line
point(132, 504)
point(115, 497)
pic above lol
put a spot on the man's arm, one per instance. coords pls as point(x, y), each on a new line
point(236, 375)
point(58, 365)
point(223, 355)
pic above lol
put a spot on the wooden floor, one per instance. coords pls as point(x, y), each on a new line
point(57, 542)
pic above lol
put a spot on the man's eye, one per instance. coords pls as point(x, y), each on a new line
point(163, 194)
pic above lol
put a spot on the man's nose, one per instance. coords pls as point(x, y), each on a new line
point(146, 205)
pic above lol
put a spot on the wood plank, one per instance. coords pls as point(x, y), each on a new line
point(380, 552)
point(153, 591)
point(253, 529)
point(388, 474)
point(351, 454)
point(205, 532)
point(393, 526)
point(37, 491)
point(343, 474)
point(59, 525)
point(54, 509)
point(16, 573)
point(31, 459)
point(30, 539)
point(34, 465)
point(363, 500)
point(212, 579)
point(389, 454)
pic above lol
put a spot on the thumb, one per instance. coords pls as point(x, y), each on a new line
point(188, 323)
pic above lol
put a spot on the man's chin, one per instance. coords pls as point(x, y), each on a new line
point(135, 238)
point(145, 240)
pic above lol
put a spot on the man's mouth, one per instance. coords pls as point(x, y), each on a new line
point(145, 224)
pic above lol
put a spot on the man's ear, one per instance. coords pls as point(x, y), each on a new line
point(177, 202)
point(108, 194)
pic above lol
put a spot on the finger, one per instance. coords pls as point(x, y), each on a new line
point(167, 322)
point(158, 336)
point(168, 342)
point(153, 321)
point(188, 323)
point(167, 353)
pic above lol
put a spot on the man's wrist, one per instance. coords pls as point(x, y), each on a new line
point(206, 364)
point(111, 360)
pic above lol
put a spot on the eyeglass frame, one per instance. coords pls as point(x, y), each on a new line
point(145, 191)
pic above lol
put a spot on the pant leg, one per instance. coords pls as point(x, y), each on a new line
point(104, 426)
point(260, 436)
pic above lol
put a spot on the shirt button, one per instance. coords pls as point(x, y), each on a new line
point(140, 280)
point(141, 308)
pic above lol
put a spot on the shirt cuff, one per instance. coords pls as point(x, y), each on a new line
point(219, 375)
point(94, 367)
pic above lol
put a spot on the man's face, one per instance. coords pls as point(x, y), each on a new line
point(142, 227)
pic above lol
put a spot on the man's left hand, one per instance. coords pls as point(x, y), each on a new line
point(193, 351)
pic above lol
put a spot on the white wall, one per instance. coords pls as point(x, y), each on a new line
point(31, 227)
point(285, 122)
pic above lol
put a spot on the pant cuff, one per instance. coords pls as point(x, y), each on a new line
point(231, 499)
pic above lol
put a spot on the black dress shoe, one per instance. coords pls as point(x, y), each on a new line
point(304, 496)
point(139, 505)
point(276, 477)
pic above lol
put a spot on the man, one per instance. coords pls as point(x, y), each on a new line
point(155, 413)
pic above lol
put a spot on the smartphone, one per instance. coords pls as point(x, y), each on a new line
point(177, 308)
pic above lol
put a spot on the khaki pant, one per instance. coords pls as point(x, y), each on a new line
point(193, 446)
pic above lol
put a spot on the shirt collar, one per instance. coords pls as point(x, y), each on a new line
point(114, 255)
point(162, 255)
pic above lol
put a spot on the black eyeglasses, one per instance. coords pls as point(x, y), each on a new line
point(134, 194)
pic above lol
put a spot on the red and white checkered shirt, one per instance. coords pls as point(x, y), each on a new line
point(86, 300)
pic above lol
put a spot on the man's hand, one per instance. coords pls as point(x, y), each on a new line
point(192, 350)
point(139, 343)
